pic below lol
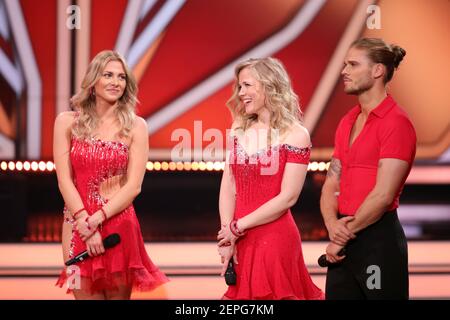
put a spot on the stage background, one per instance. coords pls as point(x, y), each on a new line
point(183, 54)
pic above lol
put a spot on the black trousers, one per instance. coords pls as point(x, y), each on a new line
point(375, 266)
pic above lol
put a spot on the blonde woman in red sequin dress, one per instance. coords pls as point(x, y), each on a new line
point(100, 152)
point(263, 178)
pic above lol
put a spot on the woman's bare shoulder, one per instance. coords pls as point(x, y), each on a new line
point(65, 119)
point(298, 136)
point(140, 124)
point(236, 127)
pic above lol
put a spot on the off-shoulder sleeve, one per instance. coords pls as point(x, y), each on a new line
point(298, 155)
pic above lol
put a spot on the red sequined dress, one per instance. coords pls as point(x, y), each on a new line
point(270, 259)
point(93, 162)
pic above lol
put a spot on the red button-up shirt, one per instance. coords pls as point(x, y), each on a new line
point(387, 133)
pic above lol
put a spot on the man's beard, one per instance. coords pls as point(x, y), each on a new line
point(360, 89)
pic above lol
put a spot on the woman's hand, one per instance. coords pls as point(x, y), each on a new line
point(225, 236)
point(94, 245)
point(226, 253)
point(84, 229)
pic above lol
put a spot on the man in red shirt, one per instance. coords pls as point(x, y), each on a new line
point(375, 145)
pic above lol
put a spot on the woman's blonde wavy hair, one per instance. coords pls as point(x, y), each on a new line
point(280, 99)
point(84, 101)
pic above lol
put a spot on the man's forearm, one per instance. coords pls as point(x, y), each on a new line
point(328, 198)
point(328, 207)
point(370, 211)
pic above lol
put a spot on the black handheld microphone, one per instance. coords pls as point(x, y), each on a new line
point(230, 274)
point(323, 262)
point(109, 242)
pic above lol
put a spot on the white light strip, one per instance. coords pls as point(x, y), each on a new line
point(150, 166)
point(6, 147)
point(332, 73)
point(421, 213)
point(32, 77)
point(128, 26)
point(147, 6)
point(82, 50)
point(429, 175)
point(11, 73)
point(225, 75)
point(412, 231)
point(4, 30)
point(63, 55)
point(153, 30)
point(445, 157)
point(314, 166)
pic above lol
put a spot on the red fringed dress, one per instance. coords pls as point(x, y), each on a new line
point(270, 259)
point(93, 162)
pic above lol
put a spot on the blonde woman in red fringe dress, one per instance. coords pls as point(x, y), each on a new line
point(100, 153)
point(263, 178)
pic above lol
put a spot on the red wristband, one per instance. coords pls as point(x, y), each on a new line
point(78, 212)
point(235, 230)
point(105, 217)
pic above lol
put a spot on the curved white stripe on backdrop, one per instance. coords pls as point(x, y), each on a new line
point(217, 81)
point(32, 77)
point(4, 30)
point(63, 58)
point(332, 72)
point(11, 73)
point(6, 147)
point(128, 27)
point(153, 30)
point(146, 7)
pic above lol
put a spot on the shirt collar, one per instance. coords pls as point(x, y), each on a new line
point(380, 111)
point(383, 108)
point(354, 112)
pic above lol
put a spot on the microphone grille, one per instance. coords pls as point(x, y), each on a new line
point(111, 240)
point(322, 261)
